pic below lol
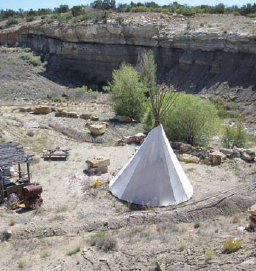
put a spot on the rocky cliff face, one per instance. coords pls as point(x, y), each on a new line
point(194, 57)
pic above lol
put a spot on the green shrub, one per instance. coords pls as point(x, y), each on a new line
point(30, 18)
point(68, 16)
point(209, 255)
point(235, 136)
point(50, 21)
point(231, 245)
point(81, 89)
point(12, 21)
point(127, 92)
point(54, 16)
point(76, 10)
point(58, 99)
point(251, 15)
point(191, 120)
point(45, 253)
point(34, 60)
point(148, 120)
point(106, 89)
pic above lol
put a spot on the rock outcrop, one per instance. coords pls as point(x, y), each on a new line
point(211, 58)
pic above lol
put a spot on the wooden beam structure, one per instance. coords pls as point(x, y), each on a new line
point(12, 153)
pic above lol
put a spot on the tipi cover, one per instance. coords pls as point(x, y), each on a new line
point(154, 175)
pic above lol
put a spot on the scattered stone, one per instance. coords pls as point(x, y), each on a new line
point(97, 165)
point(247, 157)
point(61, 114)
point(26, 109)
point(188, 158)
point(235, 154)
point(72, 115)
point(86, 116)
point(6, 235)
point(97, 129)
point(227, 152)
point(217, 157)
point(42, 110)
point(94, 118)
point(252, 219)
point(206, 161)
point(185, 148)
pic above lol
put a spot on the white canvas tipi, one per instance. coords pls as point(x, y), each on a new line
point(154, 175)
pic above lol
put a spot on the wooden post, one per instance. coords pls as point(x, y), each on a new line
point(28, 172)
point(19, 169)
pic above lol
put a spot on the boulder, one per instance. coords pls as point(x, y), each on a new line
point(60, 114)
point(72, 115)
point(97, 165)
point(252, 210)
point(188, 158)
point(42, 110)
point(94, 118)
point(250, 152)
point(26, 109)
point(252, 222)
point(124, 119)
point(86, 116)
point(228, 152)
point(97, 129)
point(185, 147)
point(217, 157)
point(206, 161)
point(235, 153)
point(247, 157)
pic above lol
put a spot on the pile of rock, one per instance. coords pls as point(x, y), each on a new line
point(137, 139)
point(191, 154)
point(61, 113)
point(42, 110)
point(72, 114)
point(97, 165)
point(247, 155)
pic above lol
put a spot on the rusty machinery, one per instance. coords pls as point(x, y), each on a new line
point(17, 184)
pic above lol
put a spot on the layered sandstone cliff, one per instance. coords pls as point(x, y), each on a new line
point(195, 54)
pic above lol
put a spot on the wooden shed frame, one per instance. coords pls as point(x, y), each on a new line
point(12, 153)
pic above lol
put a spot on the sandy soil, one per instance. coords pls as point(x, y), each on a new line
point(59, 235)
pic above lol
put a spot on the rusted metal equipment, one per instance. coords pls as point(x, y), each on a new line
point(136, 139)
point(56, 153)
point(17, 184)
point(32, 196)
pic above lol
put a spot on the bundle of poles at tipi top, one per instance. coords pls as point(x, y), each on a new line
point(153, 176)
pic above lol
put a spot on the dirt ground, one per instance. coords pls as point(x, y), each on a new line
point(59, 235)
point(84, 228)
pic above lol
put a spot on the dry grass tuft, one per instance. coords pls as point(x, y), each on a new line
point(74, 251)
point(104, 242)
